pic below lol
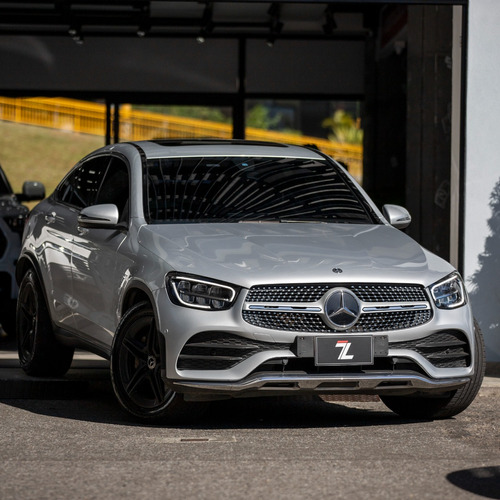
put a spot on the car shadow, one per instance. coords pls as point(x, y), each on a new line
point(483, 481)
point(90, 398)
point(98, 404)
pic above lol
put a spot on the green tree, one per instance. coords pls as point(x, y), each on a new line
point(344, 128)
point(198, 112)
point(259, 116)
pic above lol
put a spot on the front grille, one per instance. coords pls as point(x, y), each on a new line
point(221, 351)
point(447, 349)
point(401, 295)
point(287, 293)
point(389, 293)
point(313, 293)
point(299, 322)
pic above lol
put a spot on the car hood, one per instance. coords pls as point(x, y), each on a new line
point(251, 253)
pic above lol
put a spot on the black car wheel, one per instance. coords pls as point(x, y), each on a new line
point(39, 352)
point(453, 403)
point(137, 363)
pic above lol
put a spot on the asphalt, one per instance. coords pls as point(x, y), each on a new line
point(68, 438)
point(87, 373)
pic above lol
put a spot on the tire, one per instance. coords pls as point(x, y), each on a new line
point(39, 352)
point(137, 362)
point(425, 407)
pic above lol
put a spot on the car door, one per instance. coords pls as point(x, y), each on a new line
point(77, 191)
point(53, 246)
point(94, 260)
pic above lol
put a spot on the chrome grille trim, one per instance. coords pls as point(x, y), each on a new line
point(374, 308)
point(284, 308)
point(300, 322)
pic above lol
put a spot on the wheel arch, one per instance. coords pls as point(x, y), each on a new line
point(26, 262)
point(136, 293)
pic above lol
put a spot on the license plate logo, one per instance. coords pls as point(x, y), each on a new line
point(343, 350)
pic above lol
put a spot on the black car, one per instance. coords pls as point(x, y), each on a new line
point(12, 217)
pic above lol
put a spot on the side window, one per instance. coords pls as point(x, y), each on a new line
point(81, 186)
point(115, 187)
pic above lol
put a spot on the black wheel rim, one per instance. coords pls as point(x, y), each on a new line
point(140, 365)
point(27, 321)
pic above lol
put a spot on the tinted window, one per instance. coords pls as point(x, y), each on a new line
point(115, 187)
point(239, 189)
point(81, 186)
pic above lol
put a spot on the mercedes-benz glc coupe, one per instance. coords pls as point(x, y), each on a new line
point(208, 269)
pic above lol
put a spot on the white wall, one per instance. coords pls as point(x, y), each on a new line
point(482, 200)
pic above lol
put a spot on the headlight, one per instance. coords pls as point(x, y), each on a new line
point(449, 293)
point(192, 291)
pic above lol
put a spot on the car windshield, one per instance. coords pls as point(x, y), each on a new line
point(246, 189)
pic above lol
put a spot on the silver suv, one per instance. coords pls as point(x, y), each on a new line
point(208, 269)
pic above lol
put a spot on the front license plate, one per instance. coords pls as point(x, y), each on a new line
point(343, 350)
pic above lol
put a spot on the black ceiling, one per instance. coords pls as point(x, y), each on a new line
point(158, 18)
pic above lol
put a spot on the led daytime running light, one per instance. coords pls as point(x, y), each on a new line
point(449, 293)
point(200, 294)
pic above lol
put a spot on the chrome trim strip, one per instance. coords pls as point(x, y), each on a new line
point(383, 307)
point(366, 307)
point(286, 383)
point(275, 308)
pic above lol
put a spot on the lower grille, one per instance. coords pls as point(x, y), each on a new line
point(220, 351)
point(447, 349)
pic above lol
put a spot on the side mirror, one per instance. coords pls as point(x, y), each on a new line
point(397, 216)
point(32, 190)
point(99, 216)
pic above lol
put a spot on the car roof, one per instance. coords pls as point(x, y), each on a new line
point(219, 147)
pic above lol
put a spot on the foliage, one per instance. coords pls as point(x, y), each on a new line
point(259, 116)
point(344, 128)
point(199, 112)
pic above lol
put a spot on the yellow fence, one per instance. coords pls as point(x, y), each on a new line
point(90, 118)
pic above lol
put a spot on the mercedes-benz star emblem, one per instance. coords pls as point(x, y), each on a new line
point(342, 308)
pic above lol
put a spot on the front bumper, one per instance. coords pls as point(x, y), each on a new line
point(276, 365)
